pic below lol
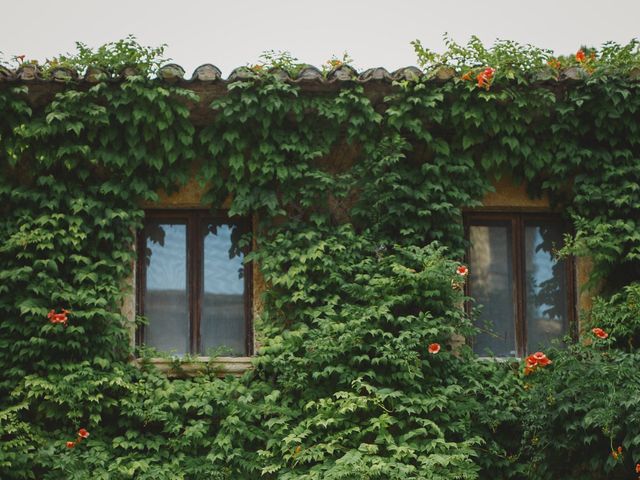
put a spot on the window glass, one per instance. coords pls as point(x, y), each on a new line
point(546, 285)
point(491, 284)
point(166, 296)
point(223, 307)
point(193, 286)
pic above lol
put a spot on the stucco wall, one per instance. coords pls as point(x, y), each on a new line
point(509, 195)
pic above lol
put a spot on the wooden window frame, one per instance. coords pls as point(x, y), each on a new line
point(194, 219)
point(517, 220)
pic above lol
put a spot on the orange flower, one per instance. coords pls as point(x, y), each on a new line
point(434, 348)
point(485, 77)
point(71, 444)
point(462, 270)
point(541, 359)
point(82, 433)
point(617, 453)
point(554, 63)
point(600, 333)
point(481, 80)
point(534, 361)
point(637, 467)
point(580, 56)
point(467, 76)
point(58, 317)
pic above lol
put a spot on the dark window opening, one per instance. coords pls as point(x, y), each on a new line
point(525, 291)
point(193, 286)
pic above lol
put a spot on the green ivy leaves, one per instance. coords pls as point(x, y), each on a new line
point(353, 192)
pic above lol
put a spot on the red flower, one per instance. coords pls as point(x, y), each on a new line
point(637, 467)
point(485, 77)
point(482, 82)
point(58, 317)
point(534, 361)
point(434, 348)
point(71, 444)
point(600, 333)
point(580, 56)
point(541, 359)
point(462, 271)
point(82, 433)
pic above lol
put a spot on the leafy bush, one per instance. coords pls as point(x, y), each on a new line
point(112, 57)
point(345, 388)
point(581, 412)
point(367, 399)
point(619, 315)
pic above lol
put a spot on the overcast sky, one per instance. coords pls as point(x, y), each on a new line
point(373, 32)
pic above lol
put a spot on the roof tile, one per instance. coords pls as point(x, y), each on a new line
point(171, 73)
point(308, 75)
point(206, 73)
point(343, 73)
point(377, 74)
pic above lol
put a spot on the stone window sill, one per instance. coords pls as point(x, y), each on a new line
point(178, 368)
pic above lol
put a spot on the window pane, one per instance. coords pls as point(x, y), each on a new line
point(491, 284)
point(223, 317)
point(166, 303)
point(546, 285)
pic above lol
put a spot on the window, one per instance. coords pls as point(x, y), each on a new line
point(193, 287)
point(526, 293)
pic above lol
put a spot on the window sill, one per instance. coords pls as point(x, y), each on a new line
point(178, 368)
point(500, 359)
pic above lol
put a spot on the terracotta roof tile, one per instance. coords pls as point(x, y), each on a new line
point(308, 75)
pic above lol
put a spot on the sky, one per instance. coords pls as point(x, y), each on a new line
point(373, 32)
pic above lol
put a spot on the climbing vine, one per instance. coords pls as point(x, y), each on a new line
point(358, 199)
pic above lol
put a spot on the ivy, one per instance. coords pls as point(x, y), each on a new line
point(359, 198)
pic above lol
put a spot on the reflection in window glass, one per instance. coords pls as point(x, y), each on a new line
point(223, 317)
point(546, 292)
point(165, 297)
point(491, 284)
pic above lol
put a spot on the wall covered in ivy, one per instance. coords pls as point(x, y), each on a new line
point(359, 256)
